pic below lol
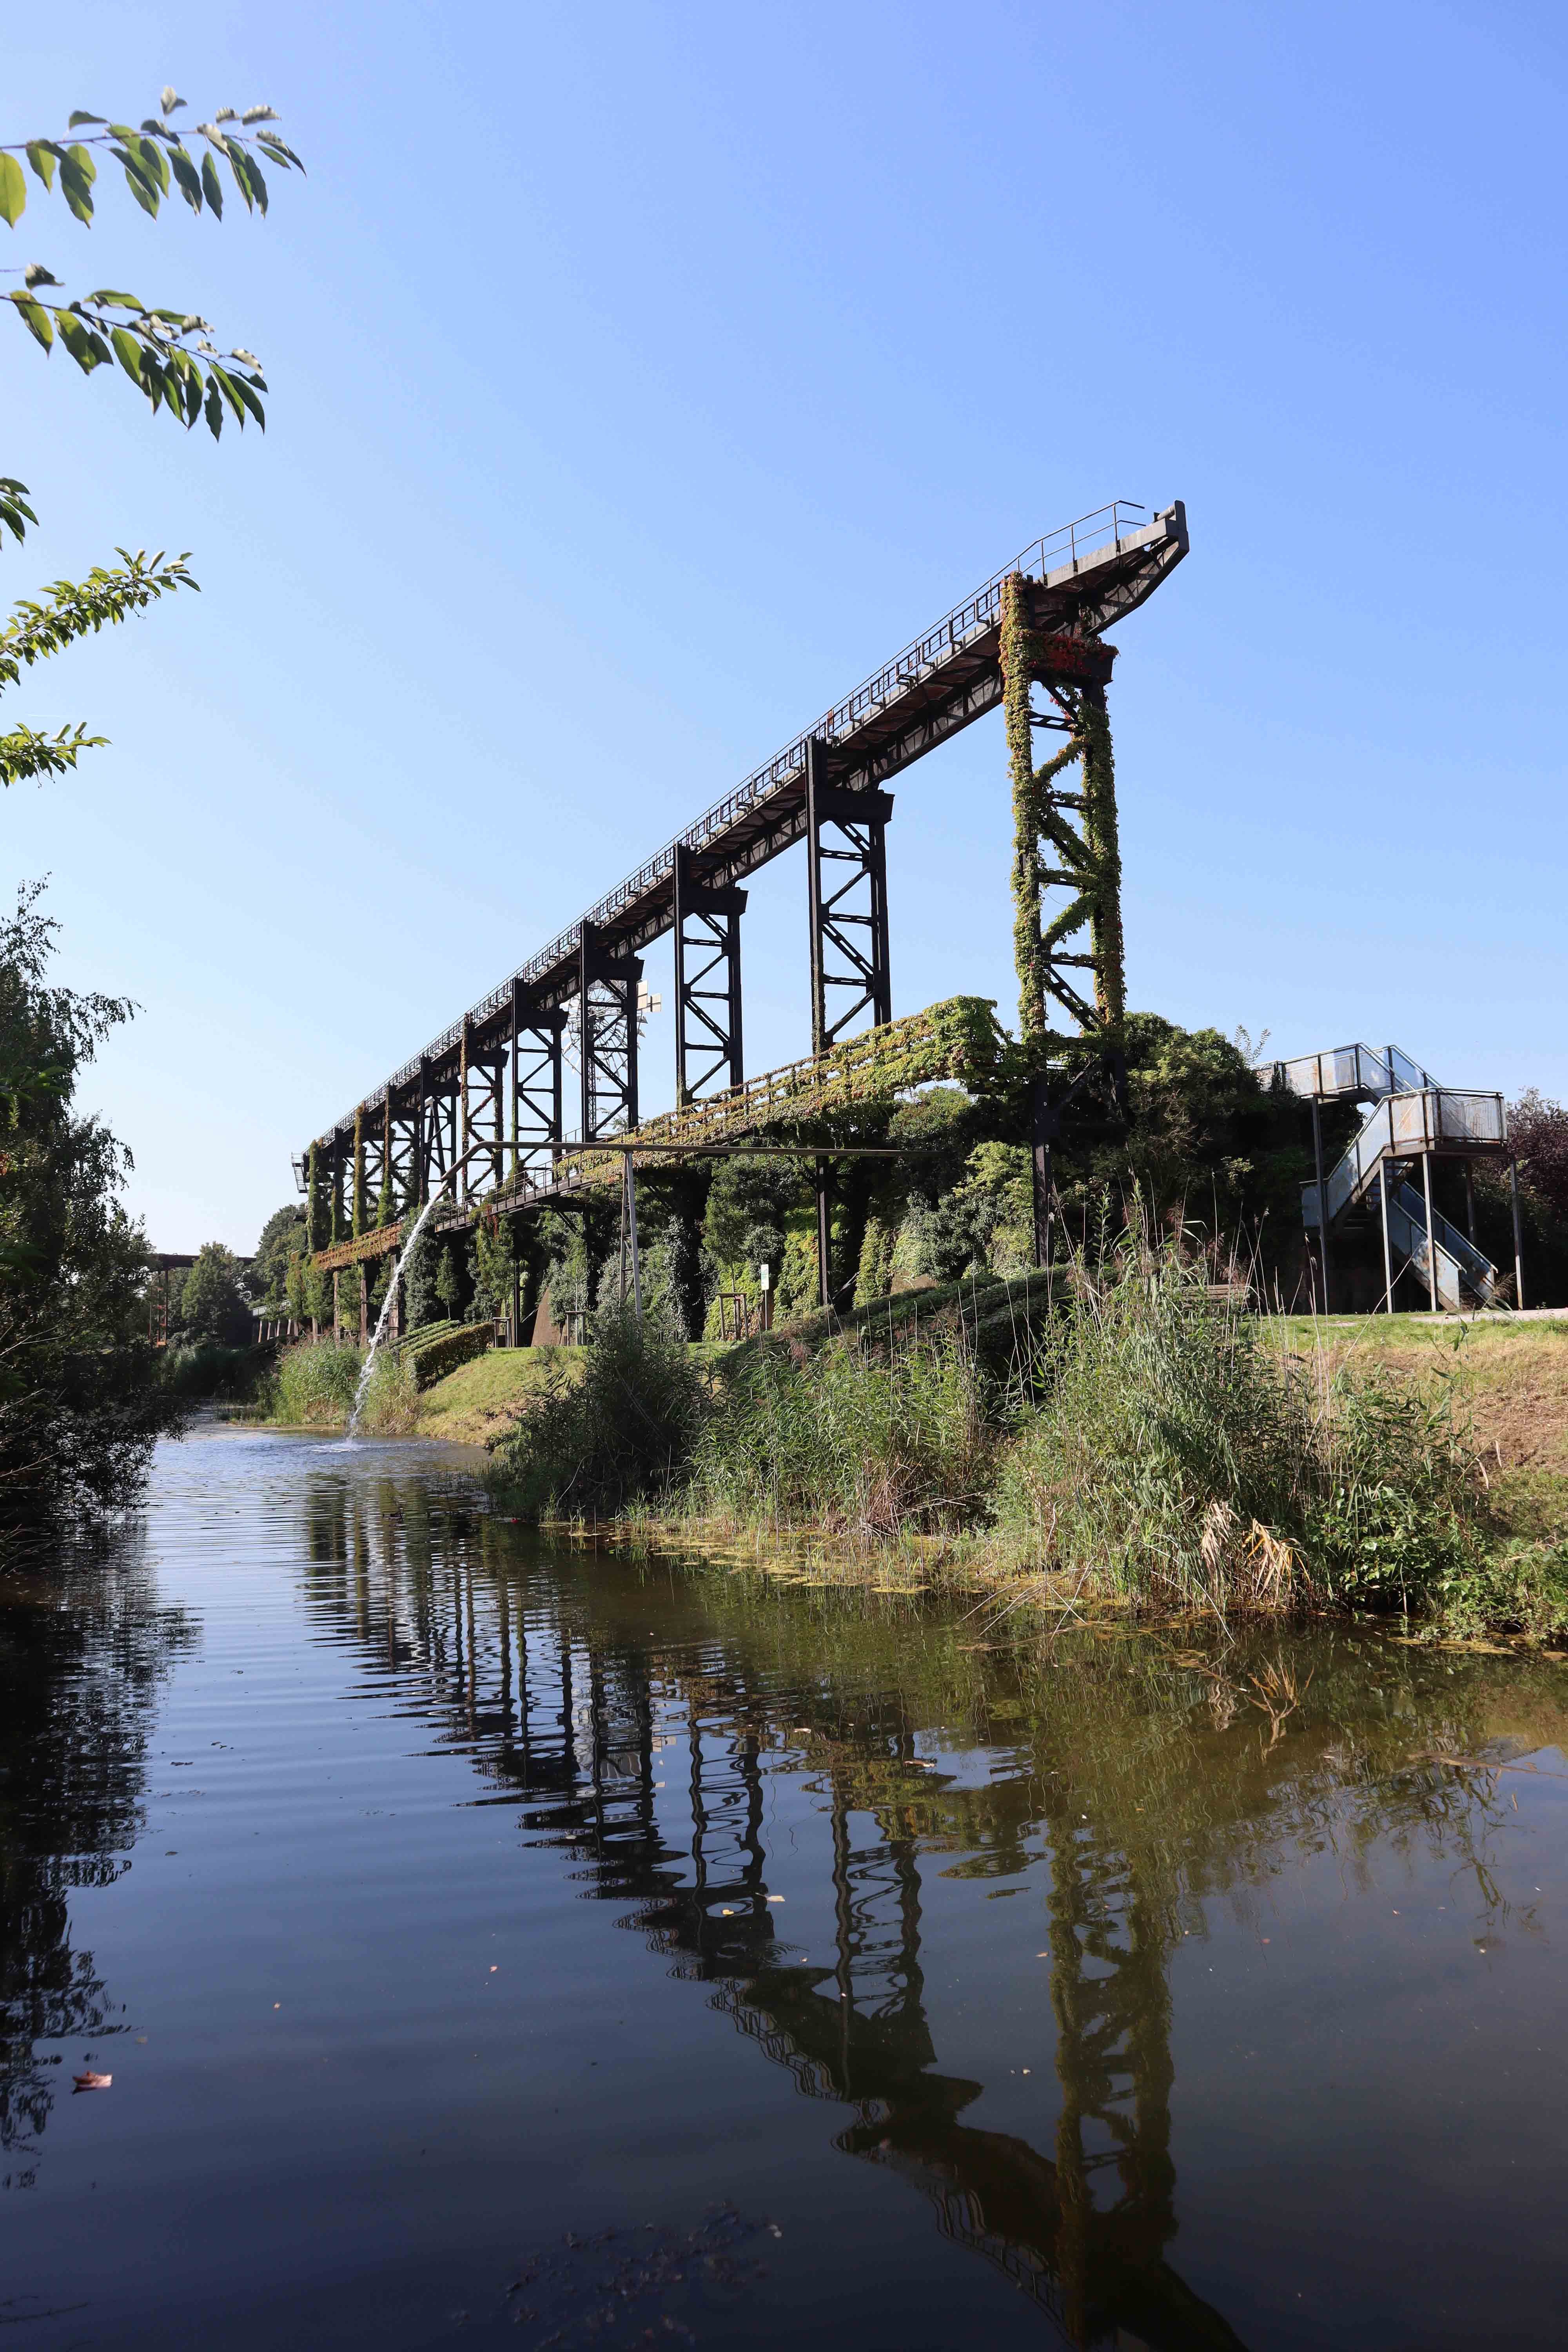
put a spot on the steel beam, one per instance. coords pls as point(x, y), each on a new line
point(846, 880)
point(607, 1036)
point(709, 1053)
point(536, 1078)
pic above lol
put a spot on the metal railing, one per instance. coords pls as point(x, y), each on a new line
point(1058, 555)
point(1403, 1126)
point(1361, 1073)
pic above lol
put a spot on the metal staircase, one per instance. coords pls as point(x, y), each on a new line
point(1412, 1120)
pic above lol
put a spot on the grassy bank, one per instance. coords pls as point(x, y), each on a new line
point(1143, 1447)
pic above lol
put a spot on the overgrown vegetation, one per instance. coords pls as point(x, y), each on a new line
point(1144, 1442)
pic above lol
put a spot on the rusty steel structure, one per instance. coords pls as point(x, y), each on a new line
point(549, 1058)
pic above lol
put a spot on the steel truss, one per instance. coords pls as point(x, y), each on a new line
point(607, 1036)
point(709, 1055)
point(847, 881)
point(536, 1079)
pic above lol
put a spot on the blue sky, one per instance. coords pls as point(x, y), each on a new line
point(642, 376)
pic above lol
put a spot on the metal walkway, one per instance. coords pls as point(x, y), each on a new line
point(827, 784)
point(1412, 1120)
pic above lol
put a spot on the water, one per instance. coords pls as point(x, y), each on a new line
point(439, 1903)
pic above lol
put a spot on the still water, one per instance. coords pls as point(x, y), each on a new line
point(497, 1944)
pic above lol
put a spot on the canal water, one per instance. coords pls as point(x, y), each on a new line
point(492, 1943)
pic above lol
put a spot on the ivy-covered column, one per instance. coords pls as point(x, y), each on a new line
point(1102, 839)
point(315, 1205)
point(1014, 654)
point(359, 1204)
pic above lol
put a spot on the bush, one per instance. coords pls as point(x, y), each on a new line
point(1179, 1452)
point(316, 1385)
point(210, 1370)
point(861, 1442)
point(619, 1432)
point(451, 1345)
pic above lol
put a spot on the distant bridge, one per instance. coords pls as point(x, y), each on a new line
point(484, 1106)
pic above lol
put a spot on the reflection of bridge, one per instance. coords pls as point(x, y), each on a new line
point(578, 1722)
point(488, 1097)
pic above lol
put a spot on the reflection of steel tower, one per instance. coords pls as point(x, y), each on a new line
point(572, 1727)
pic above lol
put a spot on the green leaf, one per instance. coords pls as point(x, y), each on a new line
point(128, 351)
point(13, 189)
point(242, 389)
point(145, 190)
point(77, 173)
point(213, 412)
point(169, 98)
point(230, 389)
point(211, 186)
point(38, 319)
point(278, 151)
point(78, 341)
point(73, 120)
point(186, 173)
point(43, 159)
point(109, 299)
point(238, 165)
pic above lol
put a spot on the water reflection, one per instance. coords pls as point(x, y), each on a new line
point(1142, 1788)
point(82, 1656)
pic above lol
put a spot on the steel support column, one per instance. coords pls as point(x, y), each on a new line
point(1518, 1235)
point(708, 1045)
point(536, 1079)
point(1064, 842)
point(847, 874)
point(607, 1038)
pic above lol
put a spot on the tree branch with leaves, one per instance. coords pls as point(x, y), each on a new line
point(167, 353)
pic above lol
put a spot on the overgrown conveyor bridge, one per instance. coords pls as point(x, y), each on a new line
point(490, 1093)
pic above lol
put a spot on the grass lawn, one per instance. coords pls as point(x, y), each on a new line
point(479, 1400)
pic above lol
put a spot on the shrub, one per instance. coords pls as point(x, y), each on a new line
point(453, 1344)
point(209, 1369)
point(619, 1432)
point(315, 1384)
point(1180, 1451)
point(861, 1442)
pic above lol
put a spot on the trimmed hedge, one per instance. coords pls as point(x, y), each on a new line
point(449, 1346)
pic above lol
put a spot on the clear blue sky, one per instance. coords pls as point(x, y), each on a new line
point(644, 375)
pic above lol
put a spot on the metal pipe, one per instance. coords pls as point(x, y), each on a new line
point(1431, 1236)
point(824, 1233)
point(1518, 1236)
point(1471, 1199)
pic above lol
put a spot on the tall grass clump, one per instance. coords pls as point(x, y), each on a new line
point(1179, 1452)
point(391, 1407)
point(621, 1432)
point(859, 1441)
point(315, 1385)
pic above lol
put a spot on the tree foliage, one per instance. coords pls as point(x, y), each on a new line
point(77, 1411)
point(212, 1301)
point(167, 352)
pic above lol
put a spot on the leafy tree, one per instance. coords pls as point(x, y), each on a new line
point(1538, 1132)
point(282, 1238)
point(448, 1283)
point(78, 1413)
point(211, 1302)
point(168, 354)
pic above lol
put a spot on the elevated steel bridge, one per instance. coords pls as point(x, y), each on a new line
point(488, 1095)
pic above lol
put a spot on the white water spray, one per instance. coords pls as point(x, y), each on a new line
point(377, 1335)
